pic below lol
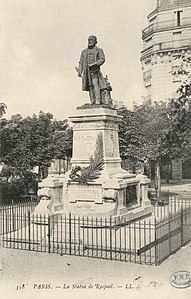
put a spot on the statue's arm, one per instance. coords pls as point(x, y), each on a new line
point(101, 59)
point(80, 67)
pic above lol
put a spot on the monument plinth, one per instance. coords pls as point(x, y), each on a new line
point(95, 138)
point(88, 123)
point(97, 185)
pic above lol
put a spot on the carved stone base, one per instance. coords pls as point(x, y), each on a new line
point(51, 195)
point(43, 207)
point(112, 192)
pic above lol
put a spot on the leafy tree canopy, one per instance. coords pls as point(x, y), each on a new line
point(30, 142)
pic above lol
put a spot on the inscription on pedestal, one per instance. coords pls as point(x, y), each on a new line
point(95, 125)
point(84, 193)
point(84, 144)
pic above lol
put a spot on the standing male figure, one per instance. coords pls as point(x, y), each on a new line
point(89, 70)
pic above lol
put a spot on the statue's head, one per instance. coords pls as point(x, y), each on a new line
point(92, 41)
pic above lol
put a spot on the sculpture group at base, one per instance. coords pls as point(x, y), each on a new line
point(92, 78)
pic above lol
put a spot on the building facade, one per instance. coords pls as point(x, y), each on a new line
point(165, 41)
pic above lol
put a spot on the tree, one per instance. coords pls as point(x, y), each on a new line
point(153, 121)
point(2, 109)
point(130, 137)
point(30, 142)
point(141, 135)
point(34, 141)
point(62, 139)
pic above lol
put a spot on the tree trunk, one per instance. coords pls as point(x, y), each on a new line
point(167, 174)
point(134, 167)
point(158, 180)
point(39, 174)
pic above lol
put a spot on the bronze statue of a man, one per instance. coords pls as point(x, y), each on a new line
point(89, 70)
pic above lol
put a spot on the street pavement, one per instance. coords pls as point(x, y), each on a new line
point(177, 187)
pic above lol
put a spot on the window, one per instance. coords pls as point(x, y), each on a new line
point(178, 17)
point(177, 39)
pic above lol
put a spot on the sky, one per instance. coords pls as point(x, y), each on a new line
point(41, 42)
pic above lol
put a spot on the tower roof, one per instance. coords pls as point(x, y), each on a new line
point(170, 4)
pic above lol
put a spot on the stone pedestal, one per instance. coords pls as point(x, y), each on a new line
point(88, 122)
point(51, 195)
point(114, 192)
point(144, 184)
point(107, 195)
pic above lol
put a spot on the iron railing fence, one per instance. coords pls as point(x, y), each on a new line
point(148, 241)
point(103, 238)
point(15, 209)
point(169, 204)
point(172, 232)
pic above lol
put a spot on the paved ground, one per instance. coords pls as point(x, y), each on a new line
point(184, 187)
point(78, 277)
point(181, 189)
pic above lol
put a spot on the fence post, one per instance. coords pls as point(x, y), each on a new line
point(156, 245)
point(182, 225)
point(29, 226)
point(48, 235)
point(169, 230)
point(13, 217)
point(3, 214)
point(70, 234)
point(10, 225)
point(110, 238)
point(2, 229)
